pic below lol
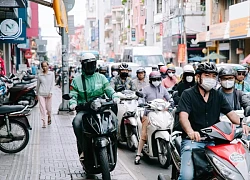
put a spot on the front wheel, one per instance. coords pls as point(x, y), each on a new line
point(17, 140)
point(104, 163)
point(164, 157)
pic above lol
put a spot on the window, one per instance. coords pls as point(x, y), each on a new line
point(159, 6)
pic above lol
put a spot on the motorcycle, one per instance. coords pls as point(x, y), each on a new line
point(158, 130)
point(22, 91)
point(127, 119)
point(14, 126)
point(228, 159)
point(100, 124)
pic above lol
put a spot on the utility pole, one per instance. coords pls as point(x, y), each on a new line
point(183, 32)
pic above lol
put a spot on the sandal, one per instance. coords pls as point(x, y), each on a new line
point(44, 125)
point(49, 120)
point(137, 159)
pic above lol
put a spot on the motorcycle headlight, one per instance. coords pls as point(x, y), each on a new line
point(226, 171)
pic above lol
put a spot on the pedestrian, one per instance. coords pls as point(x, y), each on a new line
point(2, 69)
point(45, 83)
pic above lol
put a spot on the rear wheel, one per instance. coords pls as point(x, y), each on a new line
point(104, 163)
point(165, 157)
point(18, 139)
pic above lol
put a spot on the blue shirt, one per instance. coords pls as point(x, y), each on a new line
point(34, 70)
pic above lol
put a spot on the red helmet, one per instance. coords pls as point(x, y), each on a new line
point(155, 75)
point(163, 69)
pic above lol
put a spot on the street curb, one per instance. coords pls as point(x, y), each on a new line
point(130, 173)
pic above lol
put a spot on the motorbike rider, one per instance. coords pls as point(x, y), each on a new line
point(141, 80)
point(96, 86)
point(171, 78)
point(188, 81)
point(200, 107)
point(103, 70)
point(122, 81)
point(236, 98)
point(160, 64)
point(247, 78)
point(154, 68)
point(130, 72)
point(163, 70)
point(114, 71)
point(154, 90)
point(240, 83)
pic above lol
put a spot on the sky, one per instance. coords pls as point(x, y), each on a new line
point(46, 22)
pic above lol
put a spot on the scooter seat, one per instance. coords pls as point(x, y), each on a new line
point(7, 109)
point(177, 142)
point(27, 78)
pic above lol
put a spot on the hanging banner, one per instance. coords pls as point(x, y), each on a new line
point(181, 53)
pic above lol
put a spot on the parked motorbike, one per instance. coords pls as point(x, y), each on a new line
point(21, 91)
point(158, 130)
point(14, 126)
point(225, 160)
point(127, 119)
point(100, 124)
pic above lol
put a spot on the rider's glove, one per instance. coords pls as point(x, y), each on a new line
point(116, 100)
point(72, 107)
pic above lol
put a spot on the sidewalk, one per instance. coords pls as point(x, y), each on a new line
point(51, 152)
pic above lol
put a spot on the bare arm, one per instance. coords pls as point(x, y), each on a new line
point(185, 124)
point(233, 117)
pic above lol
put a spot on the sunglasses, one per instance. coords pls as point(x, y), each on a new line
point(241, 73)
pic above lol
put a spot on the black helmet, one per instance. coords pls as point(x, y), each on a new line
point(155, 75)
point(140, 69)
point(114, 67)
point(206, 67)
point(103, 68)
point(123, 66)
point(227, 71)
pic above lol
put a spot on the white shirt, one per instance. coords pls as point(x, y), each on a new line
point(45, 83)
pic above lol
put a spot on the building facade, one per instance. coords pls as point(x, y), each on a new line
point(227, 29)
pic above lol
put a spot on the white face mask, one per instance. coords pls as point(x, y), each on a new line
point(170, 74)
point(115, 73)
point(228, 84)
point(189, 78)
point(156, 83)
point(208, 83)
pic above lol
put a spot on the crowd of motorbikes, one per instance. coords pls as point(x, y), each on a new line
point(17, 98)
point(228, 159)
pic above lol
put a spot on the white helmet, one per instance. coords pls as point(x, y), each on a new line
point(87, 57)
point(188, 68)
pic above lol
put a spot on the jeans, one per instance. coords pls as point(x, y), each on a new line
point(187, 167)
point(78, 128)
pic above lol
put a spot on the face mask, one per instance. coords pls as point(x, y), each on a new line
point(189, 78)
point(170, 74)
point(208, 83)
point(123, 74)
point(156, 83)
point(228, 84)
point(114, 73)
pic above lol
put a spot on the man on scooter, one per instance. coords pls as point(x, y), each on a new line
point(200, 107)
point(96, 86)
point(155, 90)
point(236, 98)
point(122, 81)
point(141, 80)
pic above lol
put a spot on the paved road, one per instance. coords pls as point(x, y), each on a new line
point(147, 170)
point(51, 152)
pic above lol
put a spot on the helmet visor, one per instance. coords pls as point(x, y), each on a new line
point(89, 67)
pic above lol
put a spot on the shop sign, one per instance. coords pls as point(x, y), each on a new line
point(217, 31)
point(12, 31)
point(203, 36)
point(181, 53)
point(239, 27)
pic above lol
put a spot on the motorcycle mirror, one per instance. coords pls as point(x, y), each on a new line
point(66, 97)
point(139, 94)
point(247, 111)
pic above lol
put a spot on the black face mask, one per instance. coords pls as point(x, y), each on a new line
point(89, 68)
point(123, 74)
